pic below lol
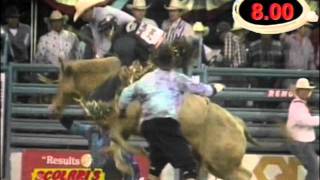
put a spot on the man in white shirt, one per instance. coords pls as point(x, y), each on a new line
point(57, 43)
point(89, 12)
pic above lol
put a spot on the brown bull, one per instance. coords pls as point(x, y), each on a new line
point(218, 137)
point(98, 79)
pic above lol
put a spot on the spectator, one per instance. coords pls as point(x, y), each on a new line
point(265, 53)
point(234, 52)
point(315, 42)
point(233, 55)
point(57, 43)
point(160, 93)
point(138, 9)
point(19, 36)
point(175, 27)
point(88, 12)
point(299, 52)
point(300, 128)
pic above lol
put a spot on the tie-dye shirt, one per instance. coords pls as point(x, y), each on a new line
point(161, 92)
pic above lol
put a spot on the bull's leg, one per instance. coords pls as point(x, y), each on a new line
point(239, 174)
point(116, 153)
point(117, 137)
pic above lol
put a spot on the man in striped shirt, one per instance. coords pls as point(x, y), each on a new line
point(175, 27)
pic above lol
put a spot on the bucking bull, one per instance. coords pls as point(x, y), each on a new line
point(217, 137)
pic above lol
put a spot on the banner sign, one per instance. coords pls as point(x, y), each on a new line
point(262, 167)
point(51, 165)
point(149, 34)
point(279, 93)
point(272, 167)
point(66, 165)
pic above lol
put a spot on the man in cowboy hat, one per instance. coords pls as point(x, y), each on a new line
point(138, 9)
point(19, 36)
point(300, 128)
point(89, 12)
point(234, 51)
point(175, 26)
point(57, 43)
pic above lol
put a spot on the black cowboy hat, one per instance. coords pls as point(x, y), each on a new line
point(12, 12)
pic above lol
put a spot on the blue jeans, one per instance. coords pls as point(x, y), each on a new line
point(306, 154)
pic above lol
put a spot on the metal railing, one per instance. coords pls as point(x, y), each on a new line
point(38, 134)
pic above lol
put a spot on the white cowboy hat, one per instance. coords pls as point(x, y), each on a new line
point(175, 5)
point(54, 16)
point(138, 4)
point(83, 5)
point(303, 83)
point(198, 27)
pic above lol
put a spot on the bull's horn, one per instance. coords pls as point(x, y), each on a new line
point(82, 103)
point(46, 80)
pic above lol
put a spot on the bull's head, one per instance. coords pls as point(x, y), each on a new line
point(98, 111)
point(66, 91)
point(80, 79)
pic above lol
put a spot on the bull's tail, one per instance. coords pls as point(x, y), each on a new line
point(246, 132)
point(249, 137)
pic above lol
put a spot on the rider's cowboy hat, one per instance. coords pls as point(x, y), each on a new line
point(198, 27)
point(83, 5)
point(55, 16)
point(303, 83)
point(138, 4)
point(175, 5)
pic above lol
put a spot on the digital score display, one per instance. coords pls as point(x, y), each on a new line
point(272, 16)
point(266, 12)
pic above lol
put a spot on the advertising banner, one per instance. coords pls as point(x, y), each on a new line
point(72, 165)
point(66, 165)
point(273, 167)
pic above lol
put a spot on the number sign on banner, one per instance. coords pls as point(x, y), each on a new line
point(150, 34)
